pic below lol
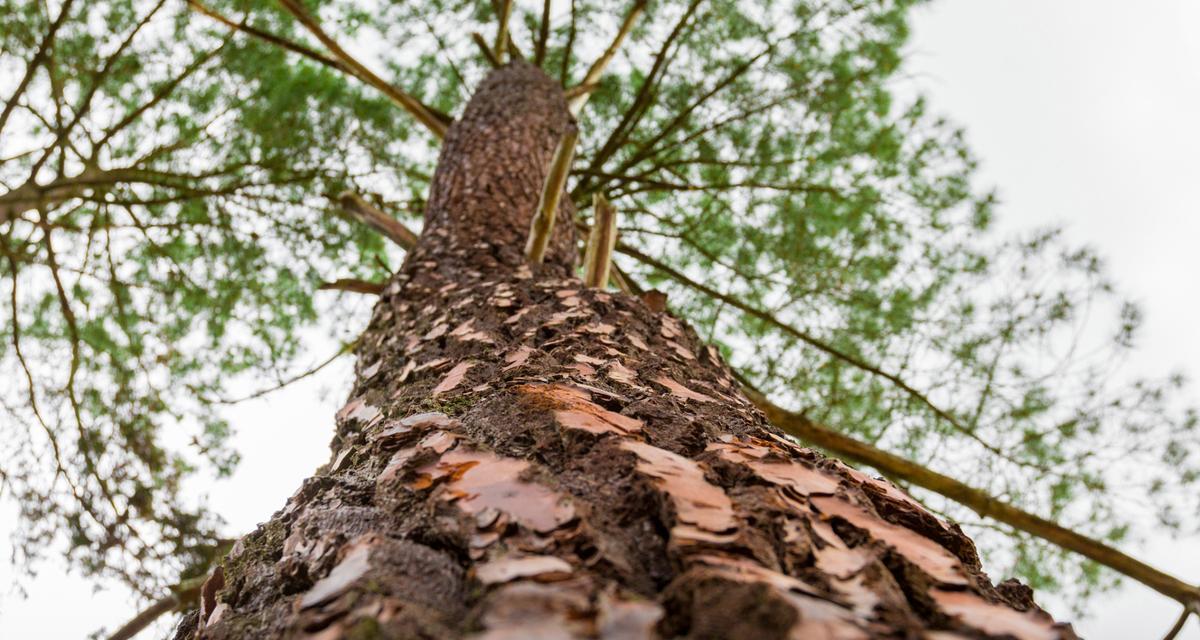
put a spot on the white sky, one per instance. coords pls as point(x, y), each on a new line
point(1083, 111)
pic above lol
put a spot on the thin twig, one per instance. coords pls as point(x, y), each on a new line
point(404, 100)
point(345, 348)
point(597, 69)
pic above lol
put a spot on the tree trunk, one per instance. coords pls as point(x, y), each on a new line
point(526, 458)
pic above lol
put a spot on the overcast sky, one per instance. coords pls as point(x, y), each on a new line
point(1084, 113)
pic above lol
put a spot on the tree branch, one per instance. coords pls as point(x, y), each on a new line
point(539, 47)
point(187, 592)
point(504, 14)
point(542, 224)
point(597, 69)
point(1178, 626)
point(31, 68)
point(353, 285)
point(486, 50)
point(364, 212)
point(410, 104)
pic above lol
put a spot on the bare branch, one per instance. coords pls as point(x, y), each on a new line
point(486, 50)
point(618, 135)
point(601, 241)
point(353, 285)
point(597, 69)
point(410, 104)
point(343, 350)
point(571, 93)
point(539, 48)
point(364, 212)
point(542, 224)
point(504, 14)
point(185, 594)
point(38, 58)
point(265, 36)
point(1178, 626)
point(896, 467)
point(565, 69)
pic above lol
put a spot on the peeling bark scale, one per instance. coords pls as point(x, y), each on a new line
point(523, 457)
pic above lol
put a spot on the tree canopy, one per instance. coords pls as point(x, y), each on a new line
point(171, 180)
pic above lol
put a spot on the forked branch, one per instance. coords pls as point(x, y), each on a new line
point(405, 101)
point(556, 178)
point(597, 69)
point(601, 240)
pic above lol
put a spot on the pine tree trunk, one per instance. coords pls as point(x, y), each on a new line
point(526, 458)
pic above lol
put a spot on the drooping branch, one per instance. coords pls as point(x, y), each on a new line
point(601, 241)
point(597, 69)
point(182, 596)
point(901, 469)
point(404, 100)
point(364, 212)
point(547, 210)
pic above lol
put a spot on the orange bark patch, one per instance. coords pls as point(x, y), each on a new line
point(797, 476)
point(478, 481)
point(574, 409)
point(994, 619)
point(929, 556)
point(681, 391)
point(698, 504)
point(541, 568)
point(517, 358)
point(453, 378)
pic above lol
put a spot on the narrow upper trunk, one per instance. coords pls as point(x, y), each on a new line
point(526, 458)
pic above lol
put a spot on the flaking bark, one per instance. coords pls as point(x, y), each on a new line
point(523, 457)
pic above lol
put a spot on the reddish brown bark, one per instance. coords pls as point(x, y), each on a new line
point(525, 458)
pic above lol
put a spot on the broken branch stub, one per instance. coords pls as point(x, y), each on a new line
point(601, 240)
point(556, 178)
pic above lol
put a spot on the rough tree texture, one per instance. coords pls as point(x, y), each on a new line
point(525, 458)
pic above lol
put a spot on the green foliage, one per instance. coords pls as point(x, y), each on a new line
point(757, 148)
